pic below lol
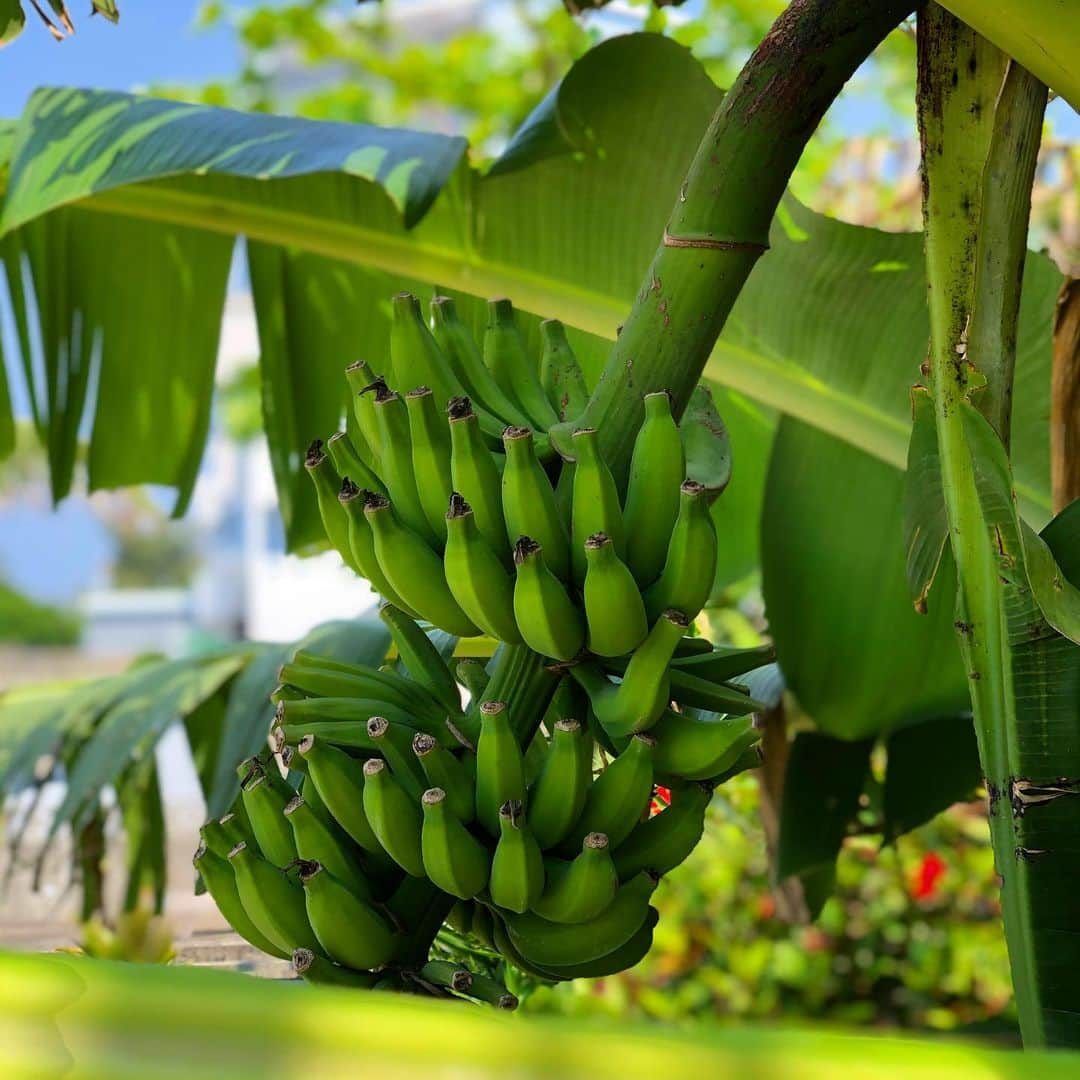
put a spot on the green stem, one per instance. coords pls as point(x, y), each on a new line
point(720, 224)
point(980, 119)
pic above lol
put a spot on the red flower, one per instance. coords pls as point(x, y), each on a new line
point(661, 800)
point(930, 871)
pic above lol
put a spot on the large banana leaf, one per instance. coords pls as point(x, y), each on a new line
point(563, 225)
point(80, 1017)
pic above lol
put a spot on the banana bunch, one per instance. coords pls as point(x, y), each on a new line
point(385, 808)
point(450, 499)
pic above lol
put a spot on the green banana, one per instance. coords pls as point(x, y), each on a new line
point(560, 373)
point(473, 675)
point(317, 842)
point(351, 734)
point(500, 770)
point(235, 827)
point(394, 742)
point(318, 970)
point(327, 484)
point(414, 570)
point(265, 806)
point(619, 795)
point(548, 619)
point(517, 868)
point(430, 457)
point(614, 610)
point(443, 770)
point(558, 796)
point(447, 975)
point(317, 680)
point(697, 693)
point(454, 859)
point(477, 578)
point(690, 568)
point(552, 944)
point(529, 502)
point(463, 354)
point(621, 959)
point(313, 798)
point(220, 883)
point(657, 468)
point(396, 467)
point(415, 354)
point(579, 890)
point(699, 747)
point(507, 359)
point(665, 840)
point(394, 816)
point(635, 704)
point(339, 780)
point(475, 474)
point(273, 903)
point(362, 542)
point(286, 693)
point(350, 931)
point(722, 662)
point(348, 463)
point(483, 926)
point(362, 382)
point(356, 710)
point(492, 992)
point(216, 840)
point(595, 504)
point(420, 657)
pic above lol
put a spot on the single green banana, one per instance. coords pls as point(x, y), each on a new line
point(477, 578)
point(560, 373)
point(327, 484)
point(595, 504)
point(473, 675)
point(414, 569)
point(475, 475)
point(339, 780)
point(286, 693)
point(665, 840)
point(483, 926)
point(273, 903)
point(430, 457)
point(552, 944)
point(614, 610)
point(319, 971)
point(348, 463)
point(220, 882)
point(362, 383)
point(657, 468)
point(317, 842)
point(500, 771)
point(454, 859)
point(235, 827)
point(548, 619)
point(362, 541)
point(690, 567)
point(491, 992)
point(700, 746)
point(265, 806)
point(416, 356)
point(420, 657)
point(635, 704)
point(722, 662)
point(396, 467)
point(443, 770)
point(318, 681)
point(312, 797)
point(216, 840)
point(356, 710)
point(581, 889)
point(350, 931)
point(446, 975)
point(349, 734)
point(460, 349)
point(529, 502)
point(394, 816)
point(394, 742)
point(620, 959)
point(508, 361)
point(697, 693)
point(619, 795)
point(558, 796)
point(517, 868)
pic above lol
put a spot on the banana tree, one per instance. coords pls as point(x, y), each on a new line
point(188, 180)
